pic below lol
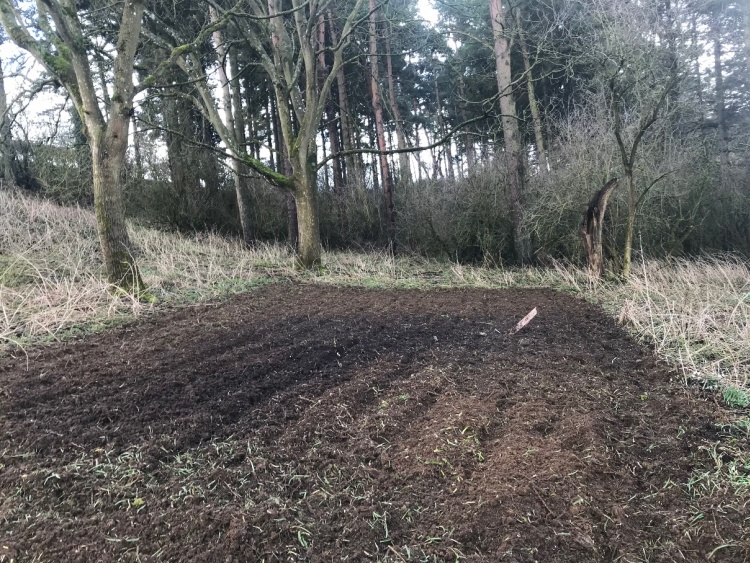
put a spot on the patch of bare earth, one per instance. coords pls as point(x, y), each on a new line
point(304, 423)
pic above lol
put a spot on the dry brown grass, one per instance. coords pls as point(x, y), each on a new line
point(51, 278)
point(695, 312)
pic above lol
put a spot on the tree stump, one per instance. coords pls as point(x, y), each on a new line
point(592, 227)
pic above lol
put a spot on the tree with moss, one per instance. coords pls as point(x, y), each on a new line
point(285, 44)
point(56, 35)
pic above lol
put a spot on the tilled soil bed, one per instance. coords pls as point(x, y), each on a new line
point(307, 423)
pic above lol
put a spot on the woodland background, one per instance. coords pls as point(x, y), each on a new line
point(527, 107)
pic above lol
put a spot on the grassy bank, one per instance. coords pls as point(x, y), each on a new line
point(694, 312)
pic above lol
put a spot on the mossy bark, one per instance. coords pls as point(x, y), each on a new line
point(107, 136)
point(117, 253)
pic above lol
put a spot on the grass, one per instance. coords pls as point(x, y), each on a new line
point(694, 312)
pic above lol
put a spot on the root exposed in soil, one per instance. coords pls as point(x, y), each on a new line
point(306, 423)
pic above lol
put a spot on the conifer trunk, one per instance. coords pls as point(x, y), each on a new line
point(6, 142)
point(377, 108)
point(513, 153)
point(533, 104)
point(353, 169)
point(403, 157)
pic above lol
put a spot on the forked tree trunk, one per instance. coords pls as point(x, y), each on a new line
point(592, 228)
point(108, 139)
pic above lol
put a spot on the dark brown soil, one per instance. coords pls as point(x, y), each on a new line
point(305, 423)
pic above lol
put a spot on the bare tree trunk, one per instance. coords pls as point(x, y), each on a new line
point(720, 107)
point(307, 216)
point(449, 159)
point(377, 109)
point(243, 200)
point(108, 155)
point(403, 158)
point(513, 153)
point(627, 255)
point(178, 161)
point(468, 138)
point(533, 104)
point(628, 156)
point(333, 134)
point(285, 167)
point(292, 231)
point(6, 141)
point(109, 145)
point(445, 151)
point(374, 162)
point(270, 130)
point(137, 150)
point(238, 114)
point(592, 228)
point(353, 163)
point(209, 165)
point(105, 89)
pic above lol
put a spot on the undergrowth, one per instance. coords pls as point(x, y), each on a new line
point(694, 312)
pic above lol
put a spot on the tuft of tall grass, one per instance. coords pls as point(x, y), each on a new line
point(694, 311)
point(51, 275)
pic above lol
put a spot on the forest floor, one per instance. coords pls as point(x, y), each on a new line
point(301, 422)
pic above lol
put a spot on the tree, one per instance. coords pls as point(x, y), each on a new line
point(513, 153)
point(642, 76)
point(403, 157)
point(377, 110)
point(533, 104)
point(6, 142)
point(592, 228)
point(60, 44)
point(285, 46)
point(720, 104)
point(234, 124)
